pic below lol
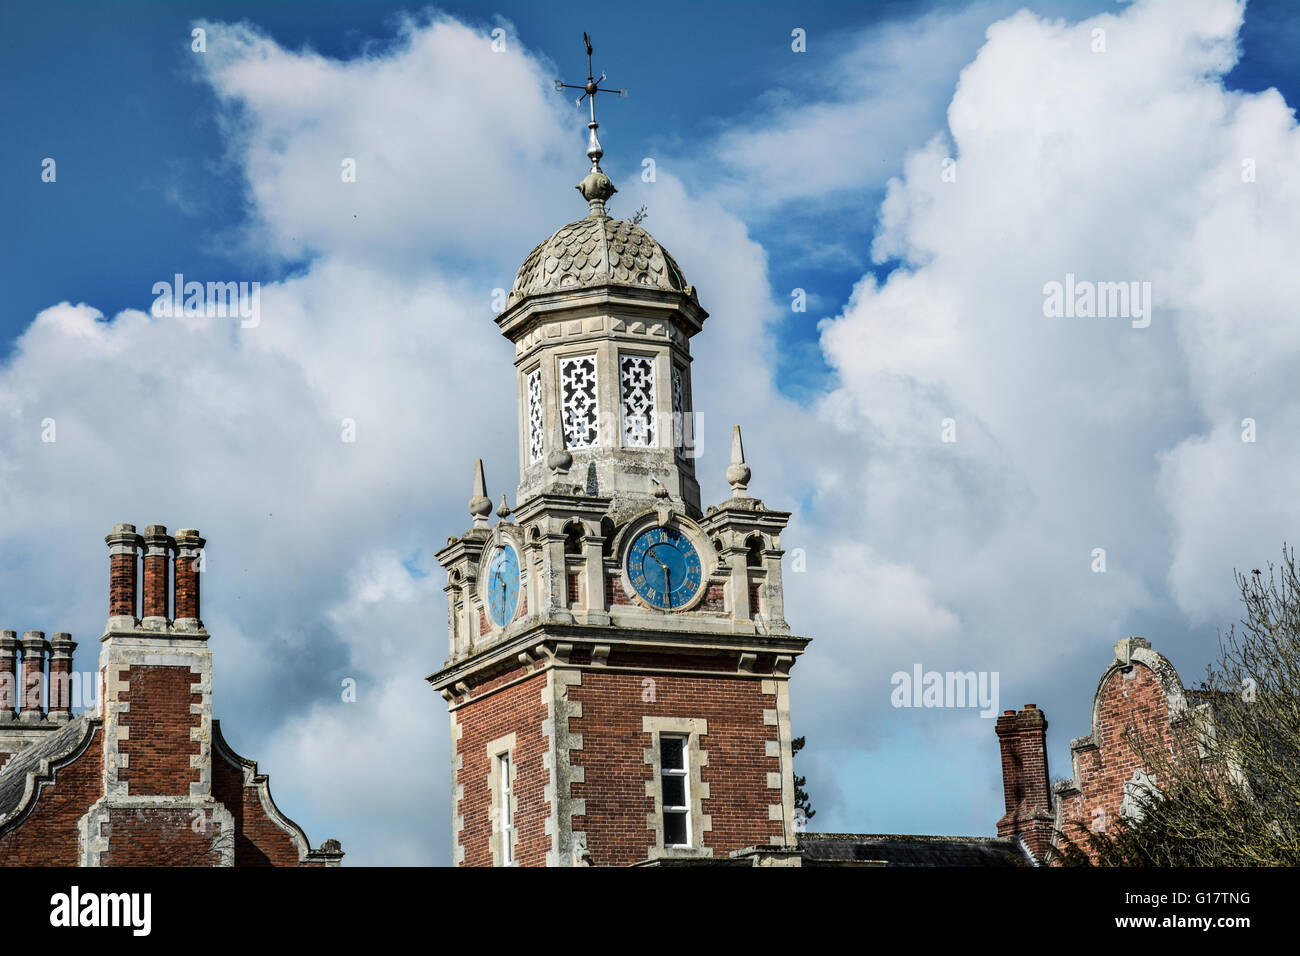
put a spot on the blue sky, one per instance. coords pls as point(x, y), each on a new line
point(777, 171)
point(118, 103)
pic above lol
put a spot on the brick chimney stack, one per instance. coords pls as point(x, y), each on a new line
point(1026, 789)
point(8, 675)
point(157, 556)
point(189, 548)
point(61, 648)
point(34, 650)
point(123, 561)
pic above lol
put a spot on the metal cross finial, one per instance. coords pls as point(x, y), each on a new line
point(590, 89)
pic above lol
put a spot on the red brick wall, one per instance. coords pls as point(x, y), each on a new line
point(1135, 698)
point(614, 593)
point(159, 744)
point(616, 771)
point(695, 662)
point(48, 835)
point(258, 841)
point(714, 598)
point(519, 709)
point(160, 837)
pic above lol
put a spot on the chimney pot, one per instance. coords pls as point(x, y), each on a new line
point(8, 675)
point(61, 648)
point(123, 560)
point(157, 552)
point(189, 545)
point(35, 648)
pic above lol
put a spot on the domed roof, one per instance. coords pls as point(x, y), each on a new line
point(597, 251)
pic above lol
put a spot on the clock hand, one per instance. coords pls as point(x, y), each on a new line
point(668, 575)
point(497, 575)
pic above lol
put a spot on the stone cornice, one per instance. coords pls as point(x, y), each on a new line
point(562, 304)
point(535, 642)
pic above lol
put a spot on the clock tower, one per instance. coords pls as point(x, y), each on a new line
point(619, 657)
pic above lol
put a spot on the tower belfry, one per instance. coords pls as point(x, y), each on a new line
point(619, 657)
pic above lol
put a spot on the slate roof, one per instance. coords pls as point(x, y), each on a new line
point(596, 251)
point(53, 748)
point(873, 849)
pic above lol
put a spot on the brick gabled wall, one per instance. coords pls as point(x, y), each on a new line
point(1141, 690)
point(1132, 697)
point(263, 835)
point(47, 833)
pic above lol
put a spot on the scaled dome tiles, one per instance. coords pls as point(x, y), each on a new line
point(597, 251)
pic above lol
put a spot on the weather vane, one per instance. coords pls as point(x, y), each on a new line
point(590, 89)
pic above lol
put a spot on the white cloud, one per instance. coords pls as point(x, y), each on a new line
point(1082, 433)
point(460, 152)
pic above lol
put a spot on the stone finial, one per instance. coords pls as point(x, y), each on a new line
point(738, 472)
point(560, 459)
point(596, 188)
point(1124, 649)
point(504, 511)
point(480, 505)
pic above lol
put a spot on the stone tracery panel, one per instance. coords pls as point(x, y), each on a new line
point(581, 411)
point(637, 398)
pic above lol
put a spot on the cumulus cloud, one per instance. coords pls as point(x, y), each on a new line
point(1074, 433)
point(457, 148)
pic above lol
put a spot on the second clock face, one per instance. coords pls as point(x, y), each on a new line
point(503, 585)
point(664, 568)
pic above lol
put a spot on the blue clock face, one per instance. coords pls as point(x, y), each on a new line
point(503, 585)
point(664, 568)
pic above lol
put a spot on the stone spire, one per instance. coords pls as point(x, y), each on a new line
point(480, 506)
point(738, 472)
